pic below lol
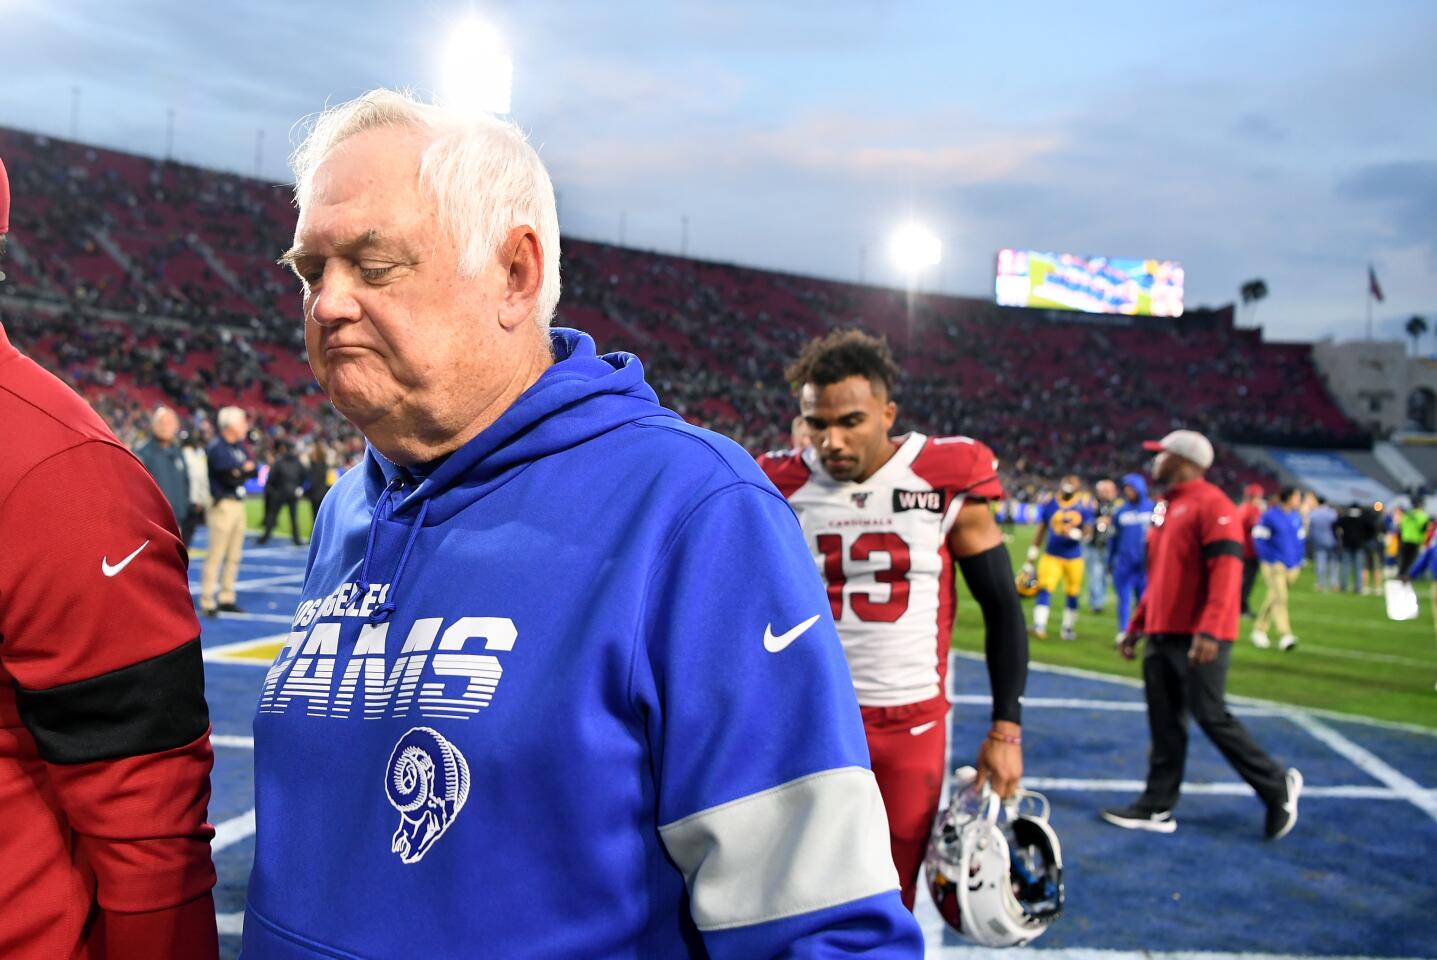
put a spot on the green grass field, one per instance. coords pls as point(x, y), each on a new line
point(254, 518)
point(1352, 659)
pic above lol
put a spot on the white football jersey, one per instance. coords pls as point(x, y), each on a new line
point(882, 548)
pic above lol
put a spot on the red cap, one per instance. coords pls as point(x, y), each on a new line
point(4, 200)
point(1252, 490)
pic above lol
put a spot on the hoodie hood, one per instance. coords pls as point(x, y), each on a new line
point(1138, 483)
point(581, 396)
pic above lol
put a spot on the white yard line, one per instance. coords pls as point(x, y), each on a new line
point(230, 924)
point(1236, 789)
point(1346, 654)
point(232, 831)
point(1369, 763)
point(1284, 708)
point(285, 583)
point(230, 740)
point(260, 617)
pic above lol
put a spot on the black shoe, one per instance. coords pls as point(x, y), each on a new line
point(230, 608)
point(1141, 818)
point(262, 541)
point(1282, 817)
point(209, 612)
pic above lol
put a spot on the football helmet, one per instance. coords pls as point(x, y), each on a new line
point(1027, 581)
point(995, 870)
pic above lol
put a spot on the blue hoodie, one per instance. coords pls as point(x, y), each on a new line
point(1128, 547)
point(1277, 537)
point(575, 693)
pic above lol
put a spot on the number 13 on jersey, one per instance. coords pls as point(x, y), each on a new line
point(880, 557)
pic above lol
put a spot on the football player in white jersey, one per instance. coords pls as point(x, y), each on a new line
point(887, 519)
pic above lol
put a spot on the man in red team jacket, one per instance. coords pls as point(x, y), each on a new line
point(1189, 615)
point(104, 732)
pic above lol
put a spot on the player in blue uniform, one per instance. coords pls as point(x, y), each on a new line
point(1128, 548)
point(1064, 523)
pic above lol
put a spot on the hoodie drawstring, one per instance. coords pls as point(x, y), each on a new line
point(387, 608)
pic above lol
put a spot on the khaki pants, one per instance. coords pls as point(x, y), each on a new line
point(1274, 606)
point(226, 520)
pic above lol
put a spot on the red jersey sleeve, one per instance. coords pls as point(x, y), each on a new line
point(101, 640)
point(1220, 531)
point(960, 465)
point(786, 470)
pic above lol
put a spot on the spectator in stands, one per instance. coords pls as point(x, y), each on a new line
point(1413, 535)
point(1095, 551)
point(162, 456)
point(230, 465)
point(1248, 513)
point(198, 469)
point(283, 488)
point(1322, 540)
point(1277, 539)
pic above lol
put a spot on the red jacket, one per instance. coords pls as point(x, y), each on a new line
point(1194, 565)
point(104, 733)
point(1248, 515)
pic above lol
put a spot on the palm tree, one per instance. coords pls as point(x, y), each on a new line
point(1416, 326)
point(1251, 292)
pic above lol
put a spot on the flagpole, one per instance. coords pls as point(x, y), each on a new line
point(1369, 302)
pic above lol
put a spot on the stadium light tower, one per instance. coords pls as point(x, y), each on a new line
point(476, 68)
point(915, 247)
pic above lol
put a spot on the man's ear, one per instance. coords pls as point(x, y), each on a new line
point(890, 414)
point(522, 256)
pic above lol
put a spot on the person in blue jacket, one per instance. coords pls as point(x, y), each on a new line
point(1128, 548)
point(563, 680)
point(1277, 538)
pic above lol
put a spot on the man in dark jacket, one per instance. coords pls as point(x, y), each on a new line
point(1189, 614)
point(282, 490)
point(162, 456)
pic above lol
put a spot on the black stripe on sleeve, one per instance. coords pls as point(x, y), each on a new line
point(154, 705)
point(1222, 548)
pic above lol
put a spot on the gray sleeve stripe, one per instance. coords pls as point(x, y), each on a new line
point(815, 842)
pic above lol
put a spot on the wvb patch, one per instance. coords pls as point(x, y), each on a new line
point(428, 783)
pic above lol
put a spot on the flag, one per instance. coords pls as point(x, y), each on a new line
point(1372, 285)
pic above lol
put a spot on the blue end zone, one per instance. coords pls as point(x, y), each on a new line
point(1357, 878)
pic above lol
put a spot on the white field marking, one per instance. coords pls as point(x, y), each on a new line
point(1284, 708)
point(260, 617)
point(232, 831)
point(230, 924)
point(230, 740)
point(1345, 654)
point(1088, 953)
point(228, 652)
point(1370, 764)
point(286, 583)
point(250, 568)
point(1117, 706)
point(1236, 789)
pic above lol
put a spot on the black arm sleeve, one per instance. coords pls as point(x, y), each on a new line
point(989, 576)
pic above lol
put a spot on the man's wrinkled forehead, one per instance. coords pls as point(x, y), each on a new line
point(368, 182)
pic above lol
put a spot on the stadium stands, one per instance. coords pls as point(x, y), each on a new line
point(143, 281)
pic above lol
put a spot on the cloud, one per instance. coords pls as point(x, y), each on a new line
point(1405, 192)
point(1258, 128)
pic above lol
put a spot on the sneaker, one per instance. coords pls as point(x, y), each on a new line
point(1282, 817)
point(1037, 634)
point(1141, 818)
point(1121, 636)
point(1287, 642)
point(230, 608)
point(209, 612)
point(1261, 640)
point(1069, 633)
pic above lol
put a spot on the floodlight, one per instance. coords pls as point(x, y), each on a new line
point(915, 247)
point(476, 69)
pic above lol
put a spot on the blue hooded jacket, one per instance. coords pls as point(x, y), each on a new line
point(1277, 537)
point(576, 692)
point(1128, 547)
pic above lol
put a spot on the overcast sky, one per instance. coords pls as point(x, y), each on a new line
point(1293, 141)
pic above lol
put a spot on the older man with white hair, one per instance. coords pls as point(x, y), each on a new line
point(230, 465)
point(552, 638)
point(163, 458)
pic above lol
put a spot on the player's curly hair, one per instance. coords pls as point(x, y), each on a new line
point(843, 354)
